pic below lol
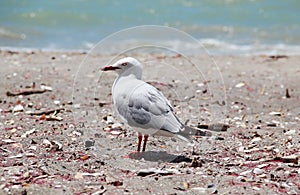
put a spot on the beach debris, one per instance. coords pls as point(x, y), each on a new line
point(214, 127)
point(48, 115)
point(46, 88)
point(80, 175)
point(18, 108)
point(290, 132)
point(199, 190)
point(258, 171)
point(8, 141)
point(241, 84)
point(31, 91)
point(53, 117)
point(99, 192)
point(154, 171)
point(213, 189)
point(186, 185)
point(276, 57)
point(109, 119)
point(274, 113)
point(290, 159)
point(52, 145)
point(101, 104)
point(287, 94)
point(256, 139)
point(16, 156)
point(271, 124)
point(46, 112)
point(89, 143)
point(196, 162)
point(56, 102)
point(84, 157)
point(116, 183)
point(77, 106)
point(57, 145)
point(28, 133)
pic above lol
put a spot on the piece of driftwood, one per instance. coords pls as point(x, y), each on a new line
point(27, 92)
point(214, 127)
point(46, 112)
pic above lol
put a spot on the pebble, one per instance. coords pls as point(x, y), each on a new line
point(258, 171)
point(56, 102)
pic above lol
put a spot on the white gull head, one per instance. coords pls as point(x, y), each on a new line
point(127, 66)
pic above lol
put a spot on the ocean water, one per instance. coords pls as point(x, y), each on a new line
point(222, 26)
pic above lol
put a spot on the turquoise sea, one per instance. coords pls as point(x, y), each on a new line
point(224, 26)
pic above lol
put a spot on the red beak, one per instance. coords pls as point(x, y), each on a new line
point(107, 68)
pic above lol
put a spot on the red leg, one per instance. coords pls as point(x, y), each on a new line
point(145, 142)
point(140, 137)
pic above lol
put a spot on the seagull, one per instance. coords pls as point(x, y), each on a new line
point(143, 106)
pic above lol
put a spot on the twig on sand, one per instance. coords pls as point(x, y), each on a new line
point(27, 92)
point(46, 112)
point(214, 127)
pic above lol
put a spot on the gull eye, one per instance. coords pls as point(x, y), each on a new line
point(124, 64)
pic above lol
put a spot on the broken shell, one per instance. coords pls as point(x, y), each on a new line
point(241, 84)
point(56, 102)
point(245, 172)
point(76, 106)
point(28, 133)
point(275, 113)
point(18, 108)
point(258, 171)
point(47, 88)
point(256, 139)
point(47, 142)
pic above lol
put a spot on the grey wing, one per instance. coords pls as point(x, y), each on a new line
point(149, 108)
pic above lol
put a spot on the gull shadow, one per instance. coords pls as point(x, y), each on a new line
point(154, 156)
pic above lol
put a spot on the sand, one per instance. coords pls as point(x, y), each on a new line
point(66, 139)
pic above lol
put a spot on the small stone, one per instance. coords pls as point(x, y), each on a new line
point(56, 102)
point(257, 171)
point(89, 143)
point(241, 84)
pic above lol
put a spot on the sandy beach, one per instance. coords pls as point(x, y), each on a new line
point(59, 133)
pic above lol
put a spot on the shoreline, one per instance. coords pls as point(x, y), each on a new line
point(213, 47)
point(62, 140)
